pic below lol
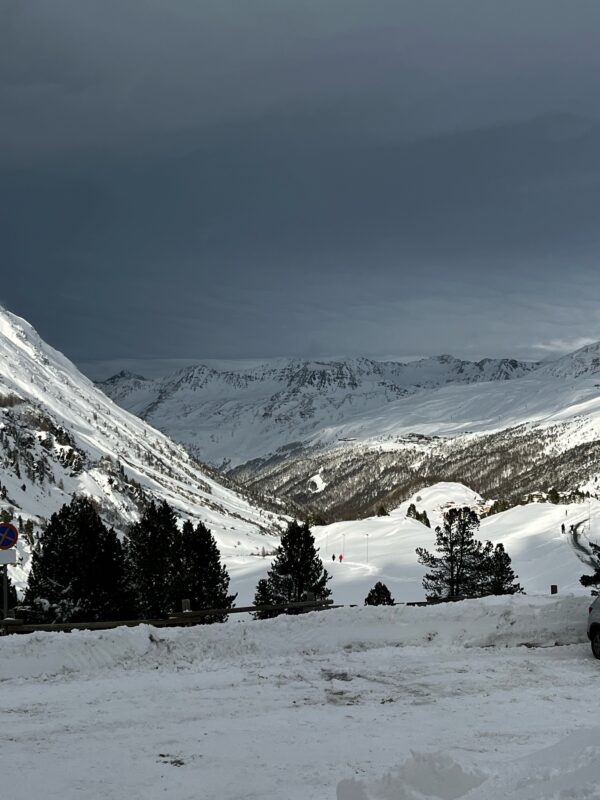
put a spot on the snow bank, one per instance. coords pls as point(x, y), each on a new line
point(489, 622)
point(424, 775)
point(568, 769)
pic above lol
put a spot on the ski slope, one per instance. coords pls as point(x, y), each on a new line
point(540, 553)
point(435, 703)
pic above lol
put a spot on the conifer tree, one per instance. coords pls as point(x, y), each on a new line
point(200, 575)
point(594, 579)
point(153, 553)
point(77, 572)
point(379, 596)
point(553, 496)
point(456, 571)
point(27, 531)
point(498, 576)
point(264, 597)
point(12, 592)
point(423, 518)
point(296, 571)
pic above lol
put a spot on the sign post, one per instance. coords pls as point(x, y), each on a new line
point(8, 539)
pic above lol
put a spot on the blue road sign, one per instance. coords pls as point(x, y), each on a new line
point(8, 536)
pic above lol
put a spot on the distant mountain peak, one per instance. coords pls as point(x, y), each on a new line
point(125, 375)
point(584, 361)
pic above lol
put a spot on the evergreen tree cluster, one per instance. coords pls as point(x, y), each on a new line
point(78, 573)
point(420, 516)
point(463, 566)
point(499, 505)
point(81, 572)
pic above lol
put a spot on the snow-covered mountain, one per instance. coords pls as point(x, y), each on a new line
point(59, 435)
point(341, 436)
point(583, 362)
point(230, 415)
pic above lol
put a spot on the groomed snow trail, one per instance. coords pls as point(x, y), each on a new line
point(358, 703)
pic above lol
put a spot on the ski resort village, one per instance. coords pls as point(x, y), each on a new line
point(299, 400)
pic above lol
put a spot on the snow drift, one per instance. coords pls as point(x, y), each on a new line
point(489, 622)
point(567, 770)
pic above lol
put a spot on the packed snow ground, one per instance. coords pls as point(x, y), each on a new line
point(531, 534)
point(393, 703)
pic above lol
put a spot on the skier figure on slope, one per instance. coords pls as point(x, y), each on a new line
point(341, 557)
point(333, 557)
point(562, 528)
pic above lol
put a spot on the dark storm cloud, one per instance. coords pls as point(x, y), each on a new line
point(233, 178)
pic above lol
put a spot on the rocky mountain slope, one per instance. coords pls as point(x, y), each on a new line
point(59, 435)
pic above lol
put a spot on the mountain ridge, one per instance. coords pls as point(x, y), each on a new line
point(340, 437)
point(286, 400)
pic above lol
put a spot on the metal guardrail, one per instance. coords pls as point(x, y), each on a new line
point(184, 618)
point(179, 619)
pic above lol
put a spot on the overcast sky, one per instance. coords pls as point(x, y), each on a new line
point(211, 179)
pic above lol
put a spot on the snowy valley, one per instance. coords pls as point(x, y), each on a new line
point(61, 435)
point(374, 432)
